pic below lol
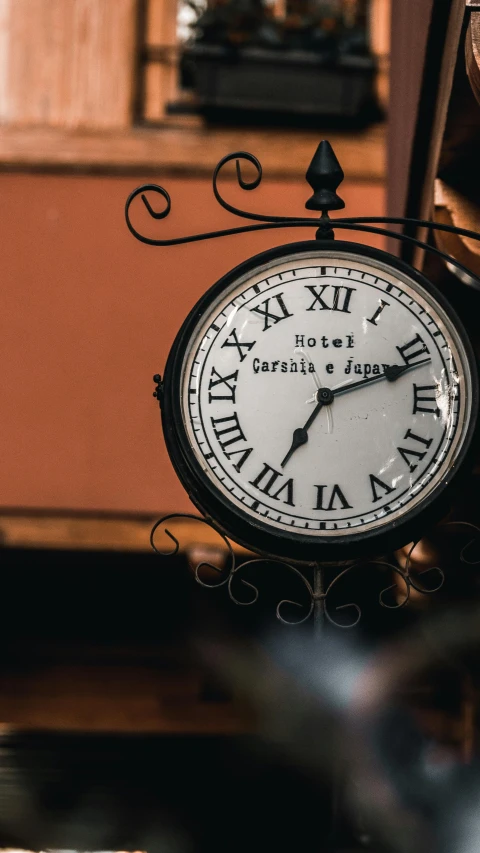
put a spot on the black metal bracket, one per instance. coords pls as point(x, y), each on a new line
point(158, 393)
point(324, 176)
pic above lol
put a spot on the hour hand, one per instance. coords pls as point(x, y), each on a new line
point(324, 396)
point(393, 371)
point(300, 436)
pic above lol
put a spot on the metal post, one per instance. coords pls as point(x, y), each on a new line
point(318, 598)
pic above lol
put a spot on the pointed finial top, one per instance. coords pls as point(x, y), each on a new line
point(324, 176)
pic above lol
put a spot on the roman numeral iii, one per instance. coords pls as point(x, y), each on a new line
point(270, 318)
point(425, 399)
point(338, 297)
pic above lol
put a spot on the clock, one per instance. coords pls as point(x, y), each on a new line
point(319, 402)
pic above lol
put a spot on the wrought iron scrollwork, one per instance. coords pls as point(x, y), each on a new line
point(270, 561)
point(316, 602)
point(176, 544)
point(324, 174)
point(404, 574)
point(230, 575)
point(468, 549)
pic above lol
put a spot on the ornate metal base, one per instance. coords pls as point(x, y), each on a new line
point(408, 572)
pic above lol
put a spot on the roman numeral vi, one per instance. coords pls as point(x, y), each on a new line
point(335, 495)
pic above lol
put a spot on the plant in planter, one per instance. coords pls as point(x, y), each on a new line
point(312, 63)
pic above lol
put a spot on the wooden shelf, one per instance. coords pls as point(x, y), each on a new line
point(187, 150)
point(120, 698)
point(84, 532)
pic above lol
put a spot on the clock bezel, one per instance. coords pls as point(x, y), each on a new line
point(258, 535)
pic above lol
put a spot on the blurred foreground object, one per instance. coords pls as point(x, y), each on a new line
point(453, 207)
point(437, 167)
point(472, 50)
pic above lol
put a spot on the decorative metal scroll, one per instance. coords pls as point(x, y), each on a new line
point(324, 176)
point(317, 598)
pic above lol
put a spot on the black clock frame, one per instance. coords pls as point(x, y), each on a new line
point(255, 534)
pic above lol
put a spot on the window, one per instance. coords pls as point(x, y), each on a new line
point(109, 69)
point(296, 62)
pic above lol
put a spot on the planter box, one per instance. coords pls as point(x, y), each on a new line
point(291, 82)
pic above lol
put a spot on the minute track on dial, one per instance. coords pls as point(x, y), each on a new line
point(325, 396)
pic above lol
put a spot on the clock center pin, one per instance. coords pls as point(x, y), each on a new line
point(325, 396)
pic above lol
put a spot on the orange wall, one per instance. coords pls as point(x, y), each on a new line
point(88, 316)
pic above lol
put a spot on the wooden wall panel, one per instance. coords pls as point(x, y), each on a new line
point(67, 63)
point(88, 316)
point(4, 57)
point(380, 18)
point(472, 53)
point(161, 77)
point(190, 151)
point(410, 25)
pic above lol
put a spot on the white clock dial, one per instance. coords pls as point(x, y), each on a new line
point(325, 393)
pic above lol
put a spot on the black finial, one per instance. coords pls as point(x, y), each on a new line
point(324, 176)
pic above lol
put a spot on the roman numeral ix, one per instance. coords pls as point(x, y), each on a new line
point(229, 385)
point(270, 318)
point(340, 301)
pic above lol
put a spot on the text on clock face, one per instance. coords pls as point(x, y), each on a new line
point(295, 365)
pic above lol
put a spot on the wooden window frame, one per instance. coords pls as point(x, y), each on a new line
point(68, 99)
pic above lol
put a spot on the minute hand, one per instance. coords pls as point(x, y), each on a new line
point(391, 373)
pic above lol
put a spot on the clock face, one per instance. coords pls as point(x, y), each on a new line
point(323, 394)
